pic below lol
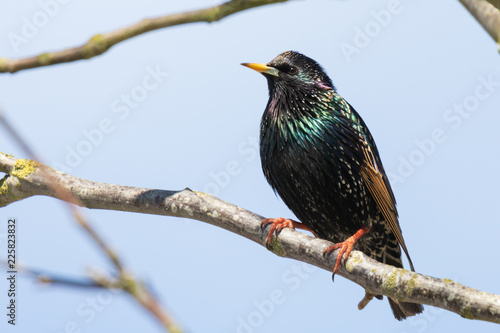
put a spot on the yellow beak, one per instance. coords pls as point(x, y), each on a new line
point(262, 68)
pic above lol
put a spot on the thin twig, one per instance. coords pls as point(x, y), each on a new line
point(136, 289)
point(50, 278)
point(100, 43)
point(63, 194)
point(125, 282)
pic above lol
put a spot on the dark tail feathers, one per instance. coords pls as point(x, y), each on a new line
point(401, 310)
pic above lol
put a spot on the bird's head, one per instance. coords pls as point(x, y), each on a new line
point(292, 70)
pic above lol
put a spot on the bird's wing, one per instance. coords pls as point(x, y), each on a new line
point(372, 171)
point(378, 185)
point(373, 174)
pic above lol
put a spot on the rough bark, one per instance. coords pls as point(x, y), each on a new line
point(487, 15)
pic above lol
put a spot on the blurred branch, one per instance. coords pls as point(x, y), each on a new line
point(487, 13)
point(375, 277)
point(100, 43)
point(123, 280)
point(45, 277)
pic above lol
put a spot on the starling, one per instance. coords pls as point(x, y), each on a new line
point(320, 157)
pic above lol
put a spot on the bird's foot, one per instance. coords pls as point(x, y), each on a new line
point(345, 248)
point(279, 224)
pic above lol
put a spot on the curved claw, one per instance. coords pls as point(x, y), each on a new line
point(345, 248)
point(278, 224)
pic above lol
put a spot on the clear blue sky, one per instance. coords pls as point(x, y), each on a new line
point(425, 78)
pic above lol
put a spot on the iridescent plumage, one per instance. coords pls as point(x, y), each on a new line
point(320, 157)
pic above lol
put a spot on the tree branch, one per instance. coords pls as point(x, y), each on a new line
point(487, 15)
point(122, 279)
point(495, 3)
point(24, 180)
point(100, 43)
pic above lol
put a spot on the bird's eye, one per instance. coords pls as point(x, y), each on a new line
point(292, 70)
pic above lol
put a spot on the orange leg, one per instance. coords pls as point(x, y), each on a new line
point(345, 247)
point(279, 224)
